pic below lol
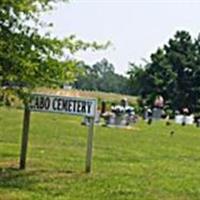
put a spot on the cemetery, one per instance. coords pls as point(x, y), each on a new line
point(96, 104)
point(122, 115)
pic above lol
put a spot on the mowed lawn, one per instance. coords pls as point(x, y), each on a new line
point(144, 162)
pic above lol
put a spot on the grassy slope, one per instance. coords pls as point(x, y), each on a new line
point(141, 163)
point(109, 97)
point(100, 96)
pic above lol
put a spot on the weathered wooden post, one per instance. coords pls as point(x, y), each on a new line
point(88, 165)
point(25, 134)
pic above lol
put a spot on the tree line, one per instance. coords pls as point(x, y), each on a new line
point(172, 72)
point(101, 77)
point(29, 60)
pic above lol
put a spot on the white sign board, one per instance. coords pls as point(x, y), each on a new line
point(63, 104)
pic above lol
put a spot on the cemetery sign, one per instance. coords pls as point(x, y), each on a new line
point(63, 104)
point(59, 104)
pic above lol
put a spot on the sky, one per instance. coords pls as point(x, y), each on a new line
point(136, 28)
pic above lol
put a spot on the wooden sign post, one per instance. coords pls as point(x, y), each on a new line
point(59, 104)
point(25, 134)
point(89, 145)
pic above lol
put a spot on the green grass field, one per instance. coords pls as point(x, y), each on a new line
point(136, 164)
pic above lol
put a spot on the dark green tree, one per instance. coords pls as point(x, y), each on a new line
point(136, 79)
point(173, 72)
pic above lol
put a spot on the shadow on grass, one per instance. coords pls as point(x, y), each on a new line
point(13, 178)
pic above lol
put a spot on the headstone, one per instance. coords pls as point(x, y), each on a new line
point(182, 119)
point(157, 113)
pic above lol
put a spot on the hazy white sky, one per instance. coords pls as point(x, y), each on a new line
point(136, 28)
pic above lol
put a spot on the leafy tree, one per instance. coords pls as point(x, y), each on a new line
point(182, 53)
point(136, 80)
point(174, 73)
point(29, 59)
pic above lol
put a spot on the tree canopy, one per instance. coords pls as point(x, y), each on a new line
point(173, 72)
point(29, 59)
